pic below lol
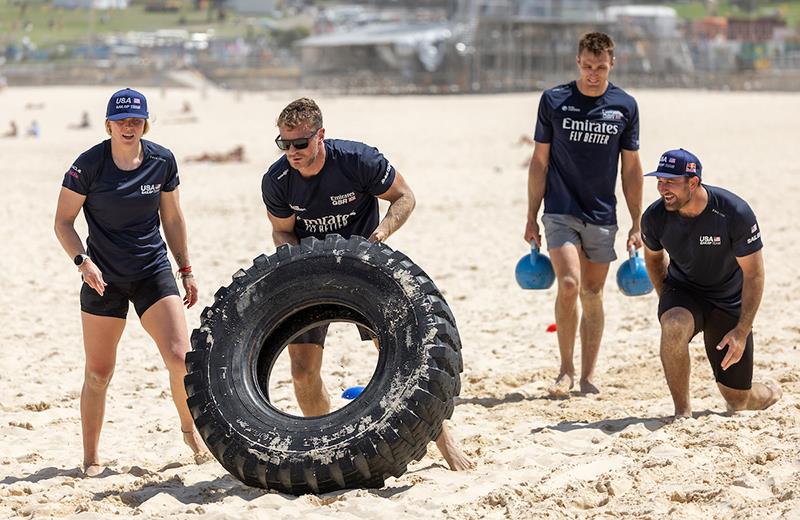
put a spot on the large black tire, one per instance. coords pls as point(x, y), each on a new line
point(399, 412)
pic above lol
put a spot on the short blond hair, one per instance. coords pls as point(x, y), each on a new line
point(597, 43)
point(303, 111)
point(146, 127)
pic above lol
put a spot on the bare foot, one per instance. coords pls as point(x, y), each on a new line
point(775, 394)
point(195, 442)
point(93, 469)
point(456, 459)
point(562, 386)
point(757, 399)
point(681, 415)
point(587, 387)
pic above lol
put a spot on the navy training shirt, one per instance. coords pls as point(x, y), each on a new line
point(703, 249)
point(121, 209)
point(586, 135)
point(341, 198)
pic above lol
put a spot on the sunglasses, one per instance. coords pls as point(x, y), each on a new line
point(299, 144)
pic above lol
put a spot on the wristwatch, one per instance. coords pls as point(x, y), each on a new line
point(80, 259)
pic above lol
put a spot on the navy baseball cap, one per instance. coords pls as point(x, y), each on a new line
point(678, 163)
point(126, 103)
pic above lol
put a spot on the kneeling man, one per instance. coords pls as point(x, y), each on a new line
point(712, 281)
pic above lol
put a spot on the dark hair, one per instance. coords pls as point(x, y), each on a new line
point(597, 43)
point(299, 112)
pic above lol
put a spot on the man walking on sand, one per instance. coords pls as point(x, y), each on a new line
point(712, 281)
point(582, 130)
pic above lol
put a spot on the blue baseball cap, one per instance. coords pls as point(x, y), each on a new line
point(126, 103)
point(678, 163)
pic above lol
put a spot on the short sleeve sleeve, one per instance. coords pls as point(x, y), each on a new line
point(274, 197)
point(544, 126)
point(172, 179)
point(745, 233)
point(80, 175)
point(376, 174)
point(650, 235)
point(630, 136)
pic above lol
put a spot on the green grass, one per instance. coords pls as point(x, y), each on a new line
point(72, 26)
point(697, 9)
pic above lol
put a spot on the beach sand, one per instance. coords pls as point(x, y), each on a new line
point(603, 456)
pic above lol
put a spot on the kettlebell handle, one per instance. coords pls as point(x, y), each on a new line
point(632, 251)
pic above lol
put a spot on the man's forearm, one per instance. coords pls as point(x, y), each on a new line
point(284, 237)
point(752, 291)
point(632, 187)
point(657, 270)
point(537, 174)
point(397, 214)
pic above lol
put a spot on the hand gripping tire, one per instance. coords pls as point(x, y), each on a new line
point(242, 334)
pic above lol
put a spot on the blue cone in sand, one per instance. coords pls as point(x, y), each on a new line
point(352, 392)
point(632, 277)
point(535, 271)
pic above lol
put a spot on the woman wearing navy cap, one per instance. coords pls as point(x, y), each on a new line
point(126, 186)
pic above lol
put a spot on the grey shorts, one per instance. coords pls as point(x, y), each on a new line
point(597, 241)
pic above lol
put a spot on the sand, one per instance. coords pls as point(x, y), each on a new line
point(604, 456)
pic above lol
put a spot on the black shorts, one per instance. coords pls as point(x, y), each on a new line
point(143, 293)
point(715, 323)
point(317, 335)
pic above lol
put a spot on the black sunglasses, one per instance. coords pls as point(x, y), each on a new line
point(300, 144)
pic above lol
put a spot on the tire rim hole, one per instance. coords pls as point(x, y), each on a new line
point(349, 360)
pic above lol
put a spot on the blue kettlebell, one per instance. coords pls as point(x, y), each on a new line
point(632, 277)
point(535, 271)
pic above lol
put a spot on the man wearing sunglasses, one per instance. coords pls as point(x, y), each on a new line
point(582, 129)
point(323, 186)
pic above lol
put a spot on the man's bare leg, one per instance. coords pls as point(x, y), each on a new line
point(677, 329)
point(101, 335)
point(567, 266)
point(312, 396)
point(760, 396)
point(451, 451)
point(593, 279)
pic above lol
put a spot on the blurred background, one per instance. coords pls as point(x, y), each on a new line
point(395, 46)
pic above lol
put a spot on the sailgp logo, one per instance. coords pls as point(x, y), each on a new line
point(709, 240)
point(149, 189)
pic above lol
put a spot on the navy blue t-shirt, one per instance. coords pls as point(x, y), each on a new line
point(586, 135)
point(121, 209)
point(341, 198)
point(703, 249)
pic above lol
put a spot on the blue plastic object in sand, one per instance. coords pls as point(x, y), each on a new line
point(352, 392)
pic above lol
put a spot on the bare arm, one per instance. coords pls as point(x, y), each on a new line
point(177, 239)
point(656, 262)
point(752, 289)
point(283, 230)
point(537, 177)
point(632, 182)
point(69, 205)
point(401, 204)
point(174, 227)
